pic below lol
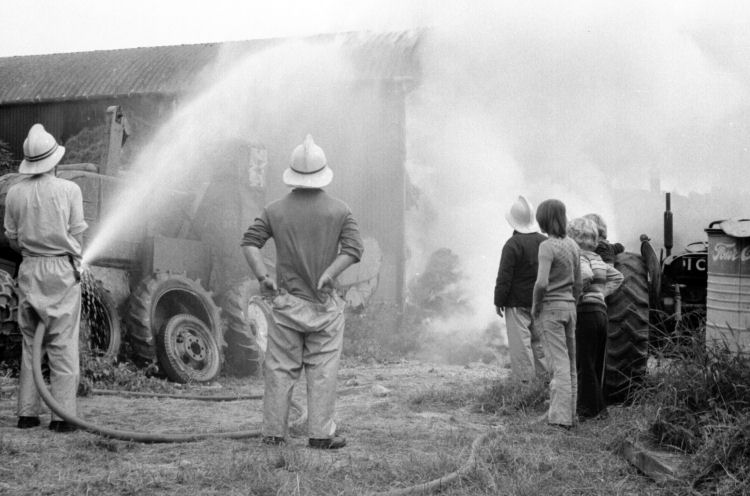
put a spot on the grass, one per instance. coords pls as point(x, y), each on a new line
point(703, 398)
point(421, 431)
point(696, 401)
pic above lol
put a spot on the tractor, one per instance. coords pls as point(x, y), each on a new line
point(662, 301)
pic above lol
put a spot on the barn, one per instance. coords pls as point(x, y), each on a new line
point(69, 94)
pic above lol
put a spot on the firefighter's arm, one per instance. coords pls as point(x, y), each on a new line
point(255, 261)
point(339, 265)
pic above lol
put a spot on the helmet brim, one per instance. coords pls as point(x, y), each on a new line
point(42, 166)
point(320, 179)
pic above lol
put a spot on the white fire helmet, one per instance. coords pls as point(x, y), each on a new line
point(309, 167)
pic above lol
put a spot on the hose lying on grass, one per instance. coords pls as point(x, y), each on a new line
point(142, 394)
point(141, 437)
point(443, 482)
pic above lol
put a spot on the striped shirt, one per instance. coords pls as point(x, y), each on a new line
point(598, 277)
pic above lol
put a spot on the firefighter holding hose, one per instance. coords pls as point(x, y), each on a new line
point(44, 222)
point(316, 238)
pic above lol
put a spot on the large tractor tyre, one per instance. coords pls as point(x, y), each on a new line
point(157, 299)
point(10, 335)
point(247, 321)
point(100, 333)
point(627, 336)
point(187, 350)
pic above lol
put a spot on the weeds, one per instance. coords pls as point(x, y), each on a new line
point(703, 398)
point(514, 396)
point(104, 372)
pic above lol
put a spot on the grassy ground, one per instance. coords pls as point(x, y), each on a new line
point(406, 422)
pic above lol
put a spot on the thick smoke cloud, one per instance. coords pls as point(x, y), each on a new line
point(605, 106)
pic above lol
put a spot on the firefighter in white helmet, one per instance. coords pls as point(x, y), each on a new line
point(316, 238)
point(44, 222)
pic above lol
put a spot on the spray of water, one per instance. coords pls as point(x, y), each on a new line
point(243, 100)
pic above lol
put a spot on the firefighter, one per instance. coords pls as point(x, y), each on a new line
point(316, 238)
point(44, 222)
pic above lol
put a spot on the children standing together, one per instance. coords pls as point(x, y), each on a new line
point(553, 292)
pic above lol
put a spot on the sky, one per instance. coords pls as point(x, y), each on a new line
point(53, 26)
point(48, 26)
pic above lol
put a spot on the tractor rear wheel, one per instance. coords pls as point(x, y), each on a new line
point(187, 350)
point(10, 334)
point(627, 336)
point(247, 320)
point(157, 299)
point(100, 333)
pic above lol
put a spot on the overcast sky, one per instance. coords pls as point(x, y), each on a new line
point(52, 26)
point(47, 26)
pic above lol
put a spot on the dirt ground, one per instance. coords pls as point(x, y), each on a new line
point(406, 423)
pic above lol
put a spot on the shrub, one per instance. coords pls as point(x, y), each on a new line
point(7, 163)
point(703, 394)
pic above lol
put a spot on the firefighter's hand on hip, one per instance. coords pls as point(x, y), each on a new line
point(326, 283)
point(267, 284)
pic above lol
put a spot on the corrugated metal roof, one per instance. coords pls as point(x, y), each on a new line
point(172, 69)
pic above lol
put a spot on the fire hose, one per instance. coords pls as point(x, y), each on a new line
point(141, 437)
point(145, 437)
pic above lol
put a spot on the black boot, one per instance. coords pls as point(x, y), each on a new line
point(28, 422)
point(62, 426)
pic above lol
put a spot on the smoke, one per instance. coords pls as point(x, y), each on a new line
point(586, 102)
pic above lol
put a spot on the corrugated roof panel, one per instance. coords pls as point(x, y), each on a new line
point(172, 69)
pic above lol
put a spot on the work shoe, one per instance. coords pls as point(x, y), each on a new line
point(332, 443)
point(273, 440)
point(28, 422)
point(62, 426)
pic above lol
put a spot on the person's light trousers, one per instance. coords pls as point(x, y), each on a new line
point(557, 323)
point(304, 335)
point(526, 351)
point(48, 293)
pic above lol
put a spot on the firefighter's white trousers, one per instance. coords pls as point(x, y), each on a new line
point(309, 335)
point(50, 294)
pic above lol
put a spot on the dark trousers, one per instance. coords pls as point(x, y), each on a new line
point(591, 340)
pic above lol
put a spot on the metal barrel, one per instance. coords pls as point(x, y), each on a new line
point(728, 290)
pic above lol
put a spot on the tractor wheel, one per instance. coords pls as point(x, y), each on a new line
point(627, 336)
point(10, 334)
point(100, 333)
point(187, 350)
point(247, 320)
point(157, 299)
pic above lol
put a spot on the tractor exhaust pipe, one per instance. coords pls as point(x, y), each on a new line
point(668, 241)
